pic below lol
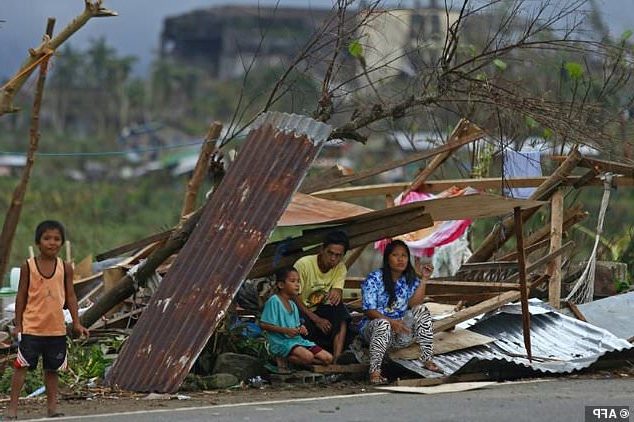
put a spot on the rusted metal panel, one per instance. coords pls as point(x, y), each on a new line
point(234, 227)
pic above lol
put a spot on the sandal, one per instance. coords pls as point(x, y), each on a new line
point(377, 379)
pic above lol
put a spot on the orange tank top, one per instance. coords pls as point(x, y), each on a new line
point(44, 315)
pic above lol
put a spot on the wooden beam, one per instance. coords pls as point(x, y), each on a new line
point(604, 165)
point(365, 233)
point(202, 165)
point(132, 246)
point(456, 287)
point(482, 307)
point(353, 368)
point(436, 186)
point(521, 259)
point(502, 232)
point(430, 382)
point(542, 261)
point(575, 311)
point(534, 241)
point(463, 130)
point(412, 158)
point(556, 233)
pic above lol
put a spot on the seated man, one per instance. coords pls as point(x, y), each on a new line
point(320, 300)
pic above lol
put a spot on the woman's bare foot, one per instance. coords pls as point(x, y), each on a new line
point(377, 379)
point(431, 366)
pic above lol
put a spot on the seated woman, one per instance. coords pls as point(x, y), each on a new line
point(395, 316)
point(280, 321)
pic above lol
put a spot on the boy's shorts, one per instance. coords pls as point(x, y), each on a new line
point(51, 348)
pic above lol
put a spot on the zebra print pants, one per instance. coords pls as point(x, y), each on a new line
point(378, 334)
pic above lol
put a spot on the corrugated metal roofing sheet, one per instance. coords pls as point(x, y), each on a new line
point(560, 344)
point(236, 222)
point(613, 313)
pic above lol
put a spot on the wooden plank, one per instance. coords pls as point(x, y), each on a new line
point(486, 306)
point(429, 382)
point(437, 186)
point(444, 342)
point(463, 130)
point(353, 368)
point(267, 265)
point(576, 311)
point(521, 259)
point(435, 287)
point(120, 250)
point(542, 261)
point(604, 165)
point(412, 158)
point(455, 387)
point(556, 233)
point(202, 165)
point(571, 217)
point(354, 226)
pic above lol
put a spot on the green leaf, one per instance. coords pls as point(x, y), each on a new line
point(481, 76)
point(531, 123)
point(355, 49)
point(626, 35)
point(575, 70)
point(500, 65)
point(548, 133)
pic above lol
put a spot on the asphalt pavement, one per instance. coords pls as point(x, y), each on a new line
point(561, 399)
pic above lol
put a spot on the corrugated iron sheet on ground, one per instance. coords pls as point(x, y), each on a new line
point(613, 313)
point(234, 227)
point(560, 344)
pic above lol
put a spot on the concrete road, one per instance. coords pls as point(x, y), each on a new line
point(547, 400)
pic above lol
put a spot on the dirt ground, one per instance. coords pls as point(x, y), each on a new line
point(100, 401)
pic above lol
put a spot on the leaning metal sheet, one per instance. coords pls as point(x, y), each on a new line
point(236, 222)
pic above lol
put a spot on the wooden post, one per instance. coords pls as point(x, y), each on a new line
point(521, 261)
point(193, 185)
point(556, 228)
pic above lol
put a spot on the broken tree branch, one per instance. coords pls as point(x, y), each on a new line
point(38, 55)
point(15, 208)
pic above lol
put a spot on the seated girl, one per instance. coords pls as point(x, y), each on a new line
point(395, 316)
point(280, 321)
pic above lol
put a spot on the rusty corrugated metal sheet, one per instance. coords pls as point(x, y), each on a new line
point(234, 227)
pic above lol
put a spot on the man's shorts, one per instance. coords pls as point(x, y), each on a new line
point(51, 348)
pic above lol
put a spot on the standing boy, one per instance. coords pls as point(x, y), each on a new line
point(322, 277)
point(46, 287)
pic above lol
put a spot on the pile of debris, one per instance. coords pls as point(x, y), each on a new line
point(177, 287)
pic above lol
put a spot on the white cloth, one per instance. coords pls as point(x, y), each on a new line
point(521, 164)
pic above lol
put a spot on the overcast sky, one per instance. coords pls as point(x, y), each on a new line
point(137, 29)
